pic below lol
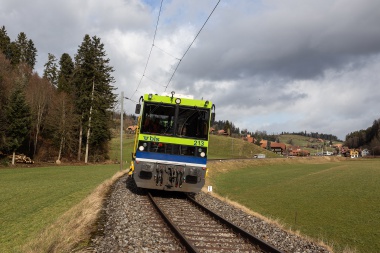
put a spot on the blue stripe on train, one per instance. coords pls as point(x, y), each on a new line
point(174, 158)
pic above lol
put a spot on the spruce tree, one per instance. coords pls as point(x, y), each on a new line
point(51, 70)
point(26, 51)
point(31, 54)
point(65, 75)
point(18, 121)
point(93, 94)
point(5, 41)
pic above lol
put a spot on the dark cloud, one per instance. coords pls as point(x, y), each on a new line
point(268, 65)
point(298, 43)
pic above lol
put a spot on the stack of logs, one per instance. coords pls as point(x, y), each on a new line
point(22, 159)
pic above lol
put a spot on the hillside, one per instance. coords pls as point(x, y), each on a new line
point(228, 147)
point(313, 145)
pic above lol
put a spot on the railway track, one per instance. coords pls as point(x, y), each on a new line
point(201, 230)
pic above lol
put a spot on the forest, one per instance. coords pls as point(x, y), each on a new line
point(63, 115)
point(368, 138)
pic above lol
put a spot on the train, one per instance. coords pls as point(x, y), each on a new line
point(171, 142)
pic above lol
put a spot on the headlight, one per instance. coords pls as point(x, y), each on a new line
point(203, 154)
point(141, 148)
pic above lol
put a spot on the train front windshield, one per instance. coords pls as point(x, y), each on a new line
point(175, 120)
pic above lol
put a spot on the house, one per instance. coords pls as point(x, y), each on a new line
point(354, 153)
point(276, 147)
point(345, 151)
point(249, 138)
point(131, 129)
point(222, 132)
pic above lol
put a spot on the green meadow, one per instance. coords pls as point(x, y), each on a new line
point(33, 198)
point(336, 202)
point(333, 201)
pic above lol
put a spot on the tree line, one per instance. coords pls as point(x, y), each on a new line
point(63, 114)
point(316, 135)
point(227, 126)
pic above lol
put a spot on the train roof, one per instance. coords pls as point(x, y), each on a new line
point(177, 99)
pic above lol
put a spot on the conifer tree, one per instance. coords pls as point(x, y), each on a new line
point(18, 121)
point(93, 93)
point(25, 52)
point(31, 54)
point(65, 75)
point(51, 70)
point(5, 41)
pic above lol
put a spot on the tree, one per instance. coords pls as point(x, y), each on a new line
point(93, 91)
point(51, 70)
point(61, 121)
point(6, 78)
point(27, 53)
point(65, 75)
point(18, 121)
point(5, 41)
point(39, 93)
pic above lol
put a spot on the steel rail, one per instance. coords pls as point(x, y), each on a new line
point(266, 247)
point(190, 247)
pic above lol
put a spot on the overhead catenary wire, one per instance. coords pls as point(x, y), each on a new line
point(167, 53)
point(179, 62)
point(146, 65)
point(179, 59)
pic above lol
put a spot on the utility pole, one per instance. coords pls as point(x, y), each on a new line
point(121, 129)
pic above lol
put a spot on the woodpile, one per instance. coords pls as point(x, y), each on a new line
point(22, 159)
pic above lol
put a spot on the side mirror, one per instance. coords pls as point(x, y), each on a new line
point(138, 109)
point(212, 117)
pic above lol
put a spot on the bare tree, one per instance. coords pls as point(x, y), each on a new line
point(38, 94)
point(61, 120)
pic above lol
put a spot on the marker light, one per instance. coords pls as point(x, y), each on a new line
point(177, 101)
point(150, 96)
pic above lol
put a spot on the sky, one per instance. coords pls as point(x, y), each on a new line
point(274, 66)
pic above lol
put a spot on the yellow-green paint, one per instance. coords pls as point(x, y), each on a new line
point(173, 140)
point(184, 101)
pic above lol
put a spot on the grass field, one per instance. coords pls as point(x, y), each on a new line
point(33, 198)
point(337, 202)
point(114, 153)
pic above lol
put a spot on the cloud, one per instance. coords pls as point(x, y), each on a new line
point(267, 65)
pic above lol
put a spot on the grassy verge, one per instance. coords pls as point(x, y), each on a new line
point(33, 199)
point(336, 202)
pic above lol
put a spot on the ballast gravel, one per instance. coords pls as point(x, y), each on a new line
point(126, 225)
